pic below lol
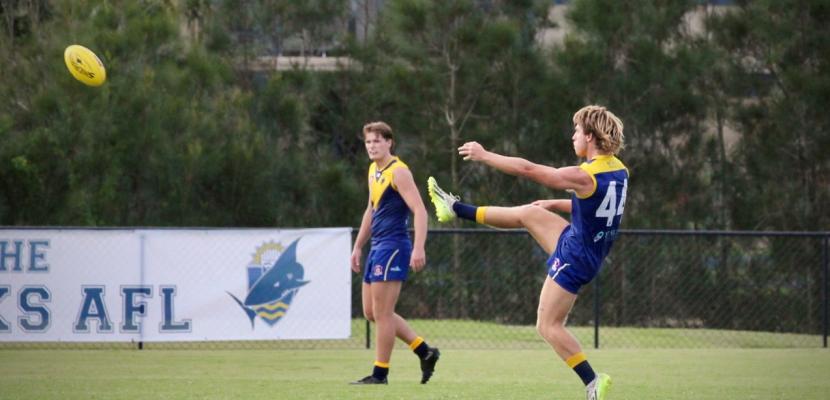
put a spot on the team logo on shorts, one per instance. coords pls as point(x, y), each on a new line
point(557, 267)
point(377, 270)
point(274, 278)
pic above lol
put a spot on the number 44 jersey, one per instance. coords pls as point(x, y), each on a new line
point(595, 217)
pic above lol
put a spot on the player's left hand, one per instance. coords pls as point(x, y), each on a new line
point(418, 259)
point(472, 151)
point(546, 204)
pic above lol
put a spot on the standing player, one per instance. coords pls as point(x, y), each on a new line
point(392, 195)
point(576, 249)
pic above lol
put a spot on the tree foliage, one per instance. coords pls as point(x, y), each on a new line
point(725, 121)
point(779, 66)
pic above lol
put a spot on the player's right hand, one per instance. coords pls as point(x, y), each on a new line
point(355, 259)
point(472, 151)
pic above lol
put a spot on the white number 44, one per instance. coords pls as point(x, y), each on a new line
point(609, 208)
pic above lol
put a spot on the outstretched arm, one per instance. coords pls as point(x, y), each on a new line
point(573, 178)
point(405, 183)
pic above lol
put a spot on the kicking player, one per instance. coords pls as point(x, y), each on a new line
point(576, 249)
point(392, 195)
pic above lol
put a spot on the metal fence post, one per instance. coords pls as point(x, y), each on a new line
point(825, 256)
point(143, 281)
point(596, 312)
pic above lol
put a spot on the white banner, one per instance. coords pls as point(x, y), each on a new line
point(174, 285)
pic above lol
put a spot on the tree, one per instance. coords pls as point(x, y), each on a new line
point(168, 140)
point(637, 59)
point(779, 71)
point(458, 66)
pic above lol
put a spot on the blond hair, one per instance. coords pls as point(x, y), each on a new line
point(604, 125)
point(381, 128)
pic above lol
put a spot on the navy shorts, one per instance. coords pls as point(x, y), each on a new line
point(387, 265)
point(567, 266)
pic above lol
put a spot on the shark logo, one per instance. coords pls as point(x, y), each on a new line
point(274, 278)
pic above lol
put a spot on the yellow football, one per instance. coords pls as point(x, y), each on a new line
point(84, 65)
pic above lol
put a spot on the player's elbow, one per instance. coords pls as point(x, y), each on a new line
point(528, 169)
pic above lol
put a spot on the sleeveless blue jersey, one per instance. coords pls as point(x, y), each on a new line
point(390, 214)
point(595, 218)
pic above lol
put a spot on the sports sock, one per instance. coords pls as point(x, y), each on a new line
point(381, 370)
point(419, 347)
point(469, 211)
point(580, 365)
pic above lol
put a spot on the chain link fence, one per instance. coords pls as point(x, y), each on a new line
point(657, 289)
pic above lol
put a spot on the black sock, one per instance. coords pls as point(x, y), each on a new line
point(380, 371)
point(585, 372)
point(465, 211)
point(422, 350)
point(580, 365)
point(419, 347)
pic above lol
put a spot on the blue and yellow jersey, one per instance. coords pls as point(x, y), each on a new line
point(595, 217)
point(390, 214)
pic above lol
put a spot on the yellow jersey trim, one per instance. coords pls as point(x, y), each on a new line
point(600, 164)
point(381, 180)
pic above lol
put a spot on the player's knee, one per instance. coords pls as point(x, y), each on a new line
point(548, 326)
point(541, 328)
point(527, 210)
point(530, 213)
point(369, 315)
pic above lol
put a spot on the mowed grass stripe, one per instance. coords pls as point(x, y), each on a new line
point(461, 374)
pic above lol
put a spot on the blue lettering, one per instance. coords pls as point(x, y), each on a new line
point(4, 324)
point(168, 325)
point(35, 310)
point(93, 307)
point(129, 294)
point(5, 254)
point(35, 255)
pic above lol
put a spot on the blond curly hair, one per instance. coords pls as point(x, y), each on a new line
point(606, 127)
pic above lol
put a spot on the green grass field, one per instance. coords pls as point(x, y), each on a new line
point(461, 374)
point(479, 361)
